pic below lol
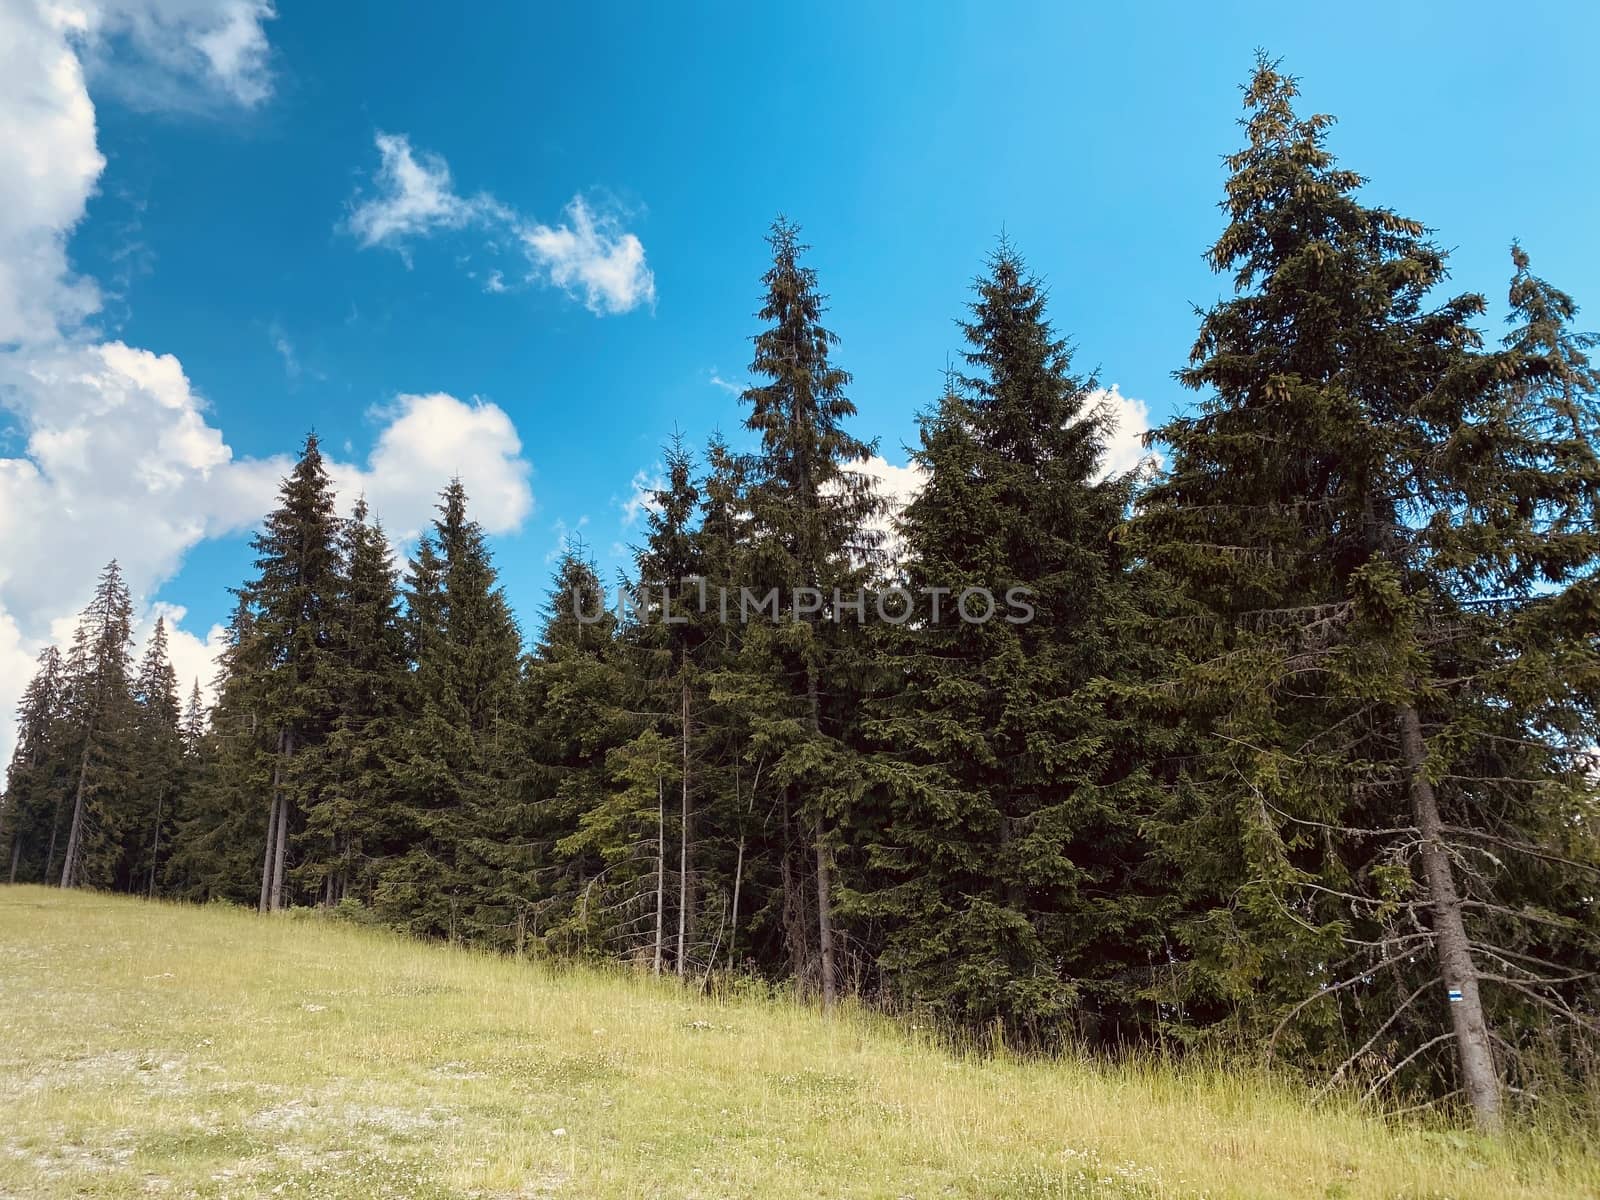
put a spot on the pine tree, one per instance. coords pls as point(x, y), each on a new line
point(455, 752)
point(1003, 866)
point(292, 598)
point(810, 538)
point(579, 809)
point(1350, 511)
point(157, 769)
point(36, 790)
point(233, 759)
point(99, 717)
point(350, 828)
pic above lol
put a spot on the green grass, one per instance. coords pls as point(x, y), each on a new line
point(150, 1049)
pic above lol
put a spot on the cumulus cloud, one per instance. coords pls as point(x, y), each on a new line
point(428, 440)
point(1129, 422)
point(113, 451)
point(897, 487)
point(588, 255)
point(592, 255)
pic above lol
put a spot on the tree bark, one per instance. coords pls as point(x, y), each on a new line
point(155, 848)
point(272, 825)
point(661, 869)
point(280, 854)
point(733, 923)
point(1457, 971)
point(825, 963)
point(830, 985)
point(685, 838)
point(75, 835)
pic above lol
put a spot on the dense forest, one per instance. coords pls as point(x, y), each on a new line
point(1296, 755)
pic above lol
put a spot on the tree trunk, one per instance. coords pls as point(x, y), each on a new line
point(75, 836)
point(796, 926)
point(272, 826)
point(685, 838)
point(16, 853)
point(266, 856)
point(830, 985)
point(280, 853)
point(661, 868)
point(55, 832)
point(733, 922)
point(825, 965)
point(155, 848)
point(1457, 971)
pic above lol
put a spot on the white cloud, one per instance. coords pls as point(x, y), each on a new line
point(592, 255)
point(176, 53)
point(897, 487)
point(588, 255)
point(642, 491)
point(427, 441)
point(116, 453)
point(48, 167)
point(194, 659)
point(714, 377)
point(1129, 422)
point(415, 196)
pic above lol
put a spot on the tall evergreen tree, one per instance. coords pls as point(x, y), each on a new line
point(31, 817)
point(234, 757)
point(1343, 511)
point(1004, 860)
point(292, 597)
point(157, 769)
point(580, 811)
point(99, 718)
point(810, 535)
point(456, 750)
point(350, 827)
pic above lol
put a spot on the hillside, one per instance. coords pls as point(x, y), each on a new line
point(154, 1049)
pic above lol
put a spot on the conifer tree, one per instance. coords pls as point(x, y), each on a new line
point(350, 827)
point(193, 727)
point(157, 769)
point(1003, 864)
point(31, 816)
point(582, 806)
point(234, 757)
point(810, 537)
point(456, 747)
point(99, 717)
point(292, 598)
point(1361, 521)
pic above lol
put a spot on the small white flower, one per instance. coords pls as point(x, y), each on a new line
point(558, 1133)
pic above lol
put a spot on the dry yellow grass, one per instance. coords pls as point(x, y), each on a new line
point(155, 1049)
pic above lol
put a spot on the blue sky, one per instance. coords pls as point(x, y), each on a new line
point(239, 148)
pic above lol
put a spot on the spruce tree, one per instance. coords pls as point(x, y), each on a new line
point(292, 598)
point(98, 725)
point(455, 750)
point(1361, 523)
point(1003, 855)
point(36, 783)
point(584, 800)
point(157, 769)
point(233, 760)
point(809, 537)
point(350, 827)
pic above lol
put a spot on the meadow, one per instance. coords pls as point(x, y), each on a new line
point(156, 1049)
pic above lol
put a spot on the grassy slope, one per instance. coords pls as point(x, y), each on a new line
point(151, 1048)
